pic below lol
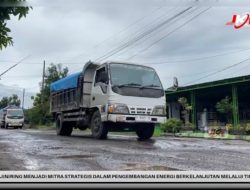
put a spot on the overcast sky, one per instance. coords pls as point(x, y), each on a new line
point(73, 32)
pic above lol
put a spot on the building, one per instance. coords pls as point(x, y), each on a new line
point(203, 98)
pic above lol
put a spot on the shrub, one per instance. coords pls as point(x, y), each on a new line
point(171, 126)
point(229, 128)
point(247, 129)
point(237, 130)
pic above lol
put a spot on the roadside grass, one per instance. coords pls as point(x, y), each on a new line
point(157, 132)
point(197, 134)
point(40, 127)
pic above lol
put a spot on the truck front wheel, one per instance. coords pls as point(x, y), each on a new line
point(145, 131)
point(98, 128)
point(62, 128)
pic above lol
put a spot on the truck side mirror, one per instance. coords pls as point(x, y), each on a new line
point(175, 82)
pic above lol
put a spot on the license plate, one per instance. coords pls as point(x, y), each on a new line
point(143, 118)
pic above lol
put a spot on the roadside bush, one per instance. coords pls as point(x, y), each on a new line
point(171, 126)
point(247, 129)
point(229, 128)
point(237, 130)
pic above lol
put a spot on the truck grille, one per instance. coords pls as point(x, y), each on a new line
point(140, 110)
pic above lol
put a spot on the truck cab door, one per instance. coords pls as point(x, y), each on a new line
point(99, 95)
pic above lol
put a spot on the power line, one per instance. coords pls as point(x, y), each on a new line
point(13, 66)
point(124, 29)
point(137, 38)
point(140, 36)
point(129, 26)
point(149, 25)
point(24, 76)
point(148, 63)
point(218, 71)
point(198, 59)
point(152, 35)
point(148, 47)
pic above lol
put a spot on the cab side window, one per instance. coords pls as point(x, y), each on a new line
point(101, 79)
point(101, 76)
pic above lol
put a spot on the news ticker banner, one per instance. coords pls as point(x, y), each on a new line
point(125, 176)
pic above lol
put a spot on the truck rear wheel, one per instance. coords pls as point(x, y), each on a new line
point(62, 128)
point(145, 131)
point(98, 128)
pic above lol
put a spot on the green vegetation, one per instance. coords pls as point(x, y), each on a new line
point(7, 10)
point(247, 128)
point(186, 109)
point(157, 131)
point(12, 100)
point(184, 103)
point(171, 125)
point(39, 114)
point(225, 107)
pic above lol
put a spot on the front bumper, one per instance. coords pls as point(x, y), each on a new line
point(136, 118)
point(15, 123)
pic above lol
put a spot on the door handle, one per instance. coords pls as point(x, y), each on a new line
point(93, 98)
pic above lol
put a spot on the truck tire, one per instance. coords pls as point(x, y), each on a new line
point(98, 128)
point(145, 131)
point(61, 127)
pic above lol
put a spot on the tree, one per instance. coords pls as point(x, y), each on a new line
point(7, 9)
point(12, 100)
point(225, 106)
point(53, 73)
point(40, 114)
point(186, 109)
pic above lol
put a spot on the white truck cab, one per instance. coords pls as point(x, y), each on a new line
point(128, 93)
point(12, 117)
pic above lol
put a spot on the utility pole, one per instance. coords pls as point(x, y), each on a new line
point(42, 92)
point(23, 98)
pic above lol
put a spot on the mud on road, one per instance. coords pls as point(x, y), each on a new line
point(44, 150)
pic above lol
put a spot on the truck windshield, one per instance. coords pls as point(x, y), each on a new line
point(15, 113)
point(135, 80)
point(124, 75)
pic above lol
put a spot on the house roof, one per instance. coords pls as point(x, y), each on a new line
point(224, 82)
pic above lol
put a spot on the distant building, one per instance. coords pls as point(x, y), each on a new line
point(203, 98)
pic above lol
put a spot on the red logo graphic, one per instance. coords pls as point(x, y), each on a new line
point(239, 21)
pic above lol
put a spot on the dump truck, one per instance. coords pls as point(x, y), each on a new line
point(11, 116)
point(112, 96)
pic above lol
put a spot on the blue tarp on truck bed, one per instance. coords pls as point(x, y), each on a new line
point(65, 83)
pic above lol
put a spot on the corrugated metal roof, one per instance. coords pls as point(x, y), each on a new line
point(223, 82)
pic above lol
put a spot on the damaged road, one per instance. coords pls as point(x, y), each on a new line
point(44, 150)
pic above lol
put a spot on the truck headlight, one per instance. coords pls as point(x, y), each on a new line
point(118, 108)
point(159, 110)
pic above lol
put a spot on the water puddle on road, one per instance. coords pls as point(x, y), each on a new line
point(31, 164)
point(146, 167)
